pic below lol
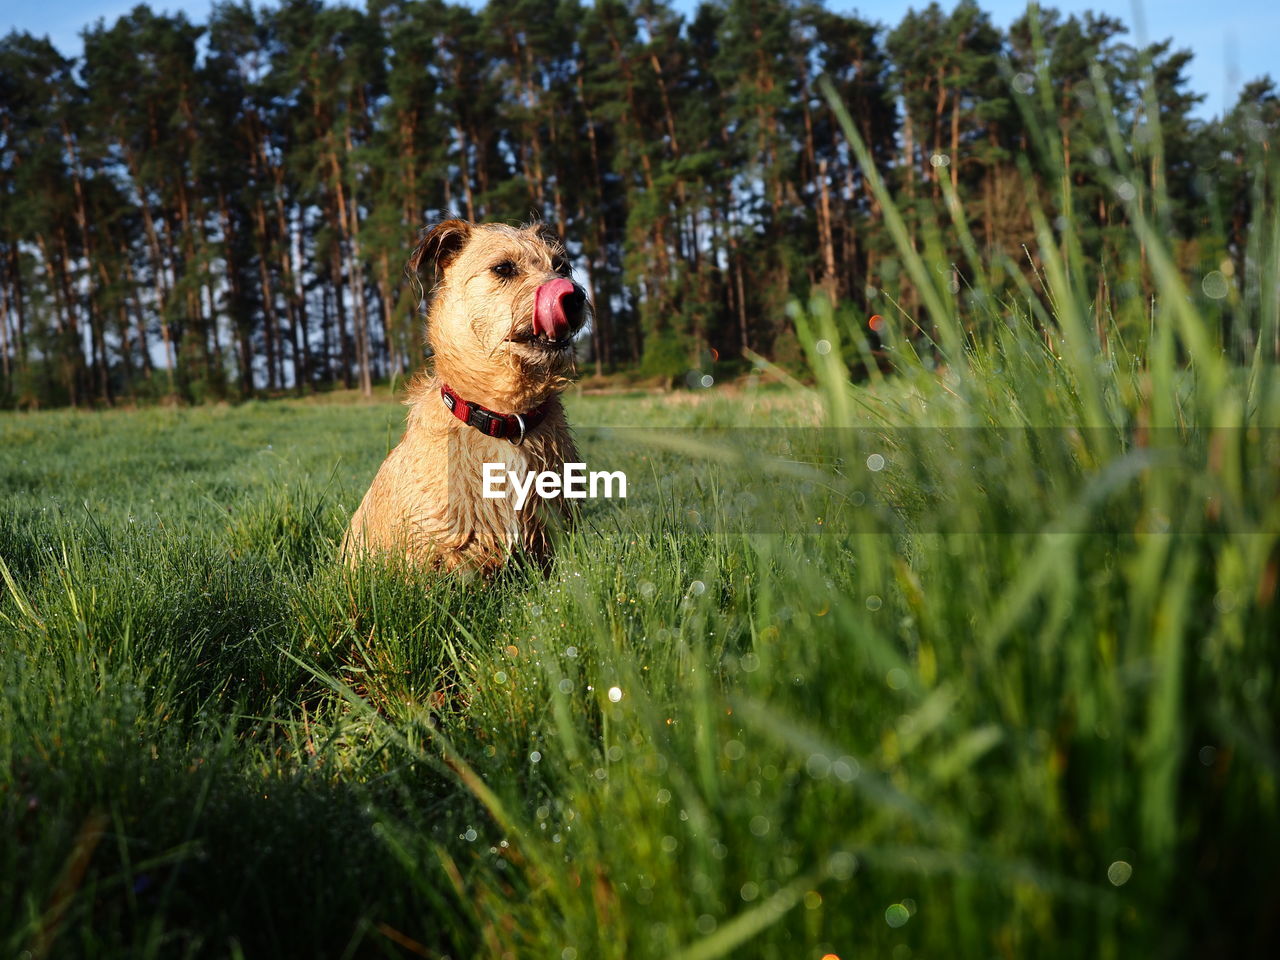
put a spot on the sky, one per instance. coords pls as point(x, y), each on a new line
point(1234, 41)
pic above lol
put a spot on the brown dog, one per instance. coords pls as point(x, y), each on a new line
point(501, 324)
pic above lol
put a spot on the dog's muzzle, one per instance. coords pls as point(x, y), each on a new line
point(557, 309)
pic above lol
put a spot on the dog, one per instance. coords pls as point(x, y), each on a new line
point(500, 326)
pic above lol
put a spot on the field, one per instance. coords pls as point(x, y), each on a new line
point(959, 731)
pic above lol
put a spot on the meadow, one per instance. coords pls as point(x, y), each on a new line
point(950, 734)
point(1023, 705)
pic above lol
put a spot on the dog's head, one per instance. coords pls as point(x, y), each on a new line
point(503, 312)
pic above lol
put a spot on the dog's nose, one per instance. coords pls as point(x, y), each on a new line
point(553, 304)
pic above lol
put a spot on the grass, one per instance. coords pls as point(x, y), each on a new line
point(213, 741)
point(1023, 705)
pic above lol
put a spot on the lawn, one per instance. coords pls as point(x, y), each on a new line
point(1024, 708)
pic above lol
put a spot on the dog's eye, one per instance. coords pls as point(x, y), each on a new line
point(506, 269)
point(562, 267)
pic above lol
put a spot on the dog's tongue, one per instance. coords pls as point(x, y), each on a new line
point(548, 308)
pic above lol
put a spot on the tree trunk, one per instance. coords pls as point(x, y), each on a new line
point(349, 218)
point(19, 309)
point(271, 323)
point(100, 363)
point(824, 231)
point(4, 336)
point(340, 313)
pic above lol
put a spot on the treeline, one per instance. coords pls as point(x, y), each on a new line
point(221, 209)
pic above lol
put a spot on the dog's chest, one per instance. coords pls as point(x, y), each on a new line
point(493, 511)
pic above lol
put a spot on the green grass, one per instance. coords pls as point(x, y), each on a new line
point(214, 741)
point(1023, 705)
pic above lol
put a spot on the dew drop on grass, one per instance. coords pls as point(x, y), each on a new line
point(841, 865)
point(817, 766)
point(1214, 285)
point(470, 835)
point(565, 686)
point(823, 347)
point(875, 463)
point(1119, 873)
point(570, 652)
point(669, 844)
point(706, 924)
point(615, 694)
point(749, 891)
point(535, 757)
point(759, 825)
point(896, 915)
point(734, 750)
point(846, 769)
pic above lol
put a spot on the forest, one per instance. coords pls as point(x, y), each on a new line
point(218, 210)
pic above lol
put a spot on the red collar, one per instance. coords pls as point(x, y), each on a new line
point(502, 426)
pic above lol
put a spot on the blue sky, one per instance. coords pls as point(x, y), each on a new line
point(1233, 40)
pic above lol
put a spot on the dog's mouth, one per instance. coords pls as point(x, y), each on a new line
point(543, 341)
point(558, 313)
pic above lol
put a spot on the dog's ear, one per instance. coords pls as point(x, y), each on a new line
point(548, 235)
point(440, 245)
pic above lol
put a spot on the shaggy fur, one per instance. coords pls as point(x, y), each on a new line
point(425, 503)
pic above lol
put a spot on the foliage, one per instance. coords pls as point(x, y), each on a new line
point(214, 210)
